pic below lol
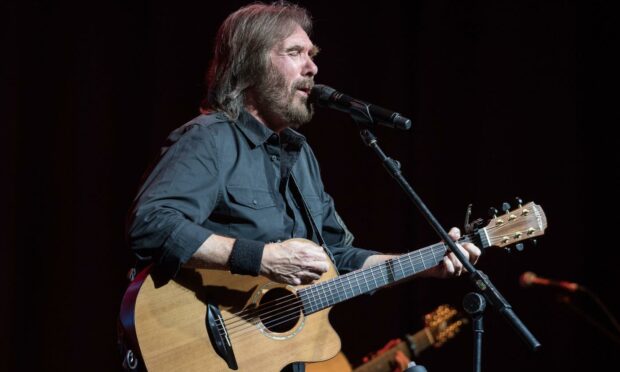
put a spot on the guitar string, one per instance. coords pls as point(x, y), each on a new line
point(329, 285)
point(289, 313)
point(288, 316)
point(278, 302)
point(300, 304)
point(236, 335)
point(464, 239)
point(291, 310)
point(312, 301)
point(285, 318)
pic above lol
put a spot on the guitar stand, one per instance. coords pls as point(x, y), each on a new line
point(474, 304)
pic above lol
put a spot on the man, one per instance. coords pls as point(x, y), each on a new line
point(234, 184)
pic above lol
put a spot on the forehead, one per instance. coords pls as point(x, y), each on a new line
point(299, 38)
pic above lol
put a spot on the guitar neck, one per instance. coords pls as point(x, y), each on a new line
point(344, 287)
point(385, 361)
point(420, 341)
point(417, 343)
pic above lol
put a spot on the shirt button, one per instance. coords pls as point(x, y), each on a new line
point(274, 158)
point(254, 202)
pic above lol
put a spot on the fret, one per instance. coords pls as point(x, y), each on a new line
point(433, 252)
point(401, 260)
point(330, 288)
point(360, 290)
point(349, 282)
point(373, 277)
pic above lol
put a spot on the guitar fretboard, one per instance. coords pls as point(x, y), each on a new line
point(328, 293)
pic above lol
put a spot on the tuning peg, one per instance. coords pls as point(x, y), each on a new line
point(505, 207)
point(519, 201)
point(492, 212)
point(519, 247)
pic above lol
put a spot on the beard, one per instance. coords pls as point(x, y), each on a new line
point(279, 103)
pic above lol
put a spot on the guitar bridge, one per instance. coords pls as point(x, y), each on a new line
point(218, 334)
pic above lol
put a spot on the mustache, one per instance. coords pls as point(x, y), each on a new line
point(305, 84)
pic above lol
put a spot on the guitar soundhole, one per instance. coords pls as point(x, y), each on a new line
point(279, 310)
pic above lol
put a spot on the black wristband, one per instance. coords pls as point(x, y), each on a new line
point(246, 256)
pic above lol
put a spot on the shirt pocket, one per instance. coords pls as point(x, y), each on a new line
point(251, 197)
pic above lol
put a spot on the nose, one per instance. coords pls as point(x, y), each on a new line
point(310, 68)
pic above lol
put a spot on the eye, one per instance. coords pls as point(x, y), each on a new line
point(294, 53)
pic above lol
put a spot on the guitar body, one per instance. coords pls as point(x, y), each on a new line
point(171, 328)
point(339, 363)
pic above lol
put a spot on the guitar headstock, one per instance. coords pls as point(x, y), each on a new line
point(443, 324)
point(522, 223)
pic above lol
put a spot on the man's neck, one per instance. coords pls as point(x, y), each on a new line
point(275, 124)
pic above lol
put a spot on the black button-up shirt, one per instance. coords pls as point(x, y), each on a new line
point(237, 179)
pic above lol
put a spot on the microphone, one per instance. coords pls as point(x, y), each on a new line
point(325, 96)
point(528, 279)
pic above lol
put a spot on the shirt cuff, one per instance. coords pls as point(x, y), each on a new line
point(178, 249)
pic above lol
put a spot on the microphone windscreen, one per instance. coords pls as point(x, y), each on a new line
point(320, 93)
point(527, 278)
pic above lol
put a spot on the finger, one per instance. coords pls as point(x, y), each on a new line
point(301, 245)
point(455, 233)
point(474, 252)
point(307, 277)
point(458, 266)
point(448, 265)
point(308, 253)
point(318, 267)
point(464, 251)
point(315, 252)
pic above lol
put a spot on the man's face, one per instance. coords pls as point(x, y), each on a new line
point(282, 94)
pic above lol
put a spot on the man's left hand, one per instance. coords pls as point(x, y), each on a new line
point(450, 265)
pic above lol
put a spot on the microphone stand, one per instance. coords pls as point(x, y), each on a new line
point(481, 281)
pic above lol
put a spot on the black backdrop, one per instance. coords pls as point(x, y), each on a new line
point(91, 90)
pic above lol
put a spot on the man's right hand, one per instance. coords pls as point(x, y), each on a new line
point(294, 261)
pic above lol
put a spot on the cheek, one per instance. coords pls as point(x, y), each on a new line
point(289, 77)
point(287, 68)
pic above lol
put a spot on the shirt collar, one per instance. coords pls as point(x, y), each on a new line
point(258, 133)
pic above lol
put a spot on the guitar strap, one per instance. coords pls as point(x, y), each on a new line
point(315, 230)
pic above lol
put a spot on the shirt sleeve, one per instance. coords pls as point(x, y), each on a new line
point(165, 223)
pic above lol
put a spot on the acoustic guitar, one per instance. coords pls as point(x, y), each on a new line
point(212, 320)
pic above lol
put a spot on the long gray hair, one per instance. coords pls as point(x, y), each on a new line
point(241, 53)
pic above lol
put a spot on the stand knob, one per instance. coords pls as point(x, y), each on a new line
point(474, 303)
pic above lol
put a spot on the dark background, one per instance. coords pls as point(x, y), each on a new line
point(91, 90)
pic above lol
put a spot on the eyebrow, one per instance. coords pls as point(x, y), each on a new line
point(314, 51)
